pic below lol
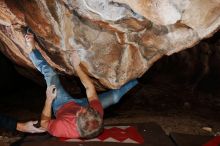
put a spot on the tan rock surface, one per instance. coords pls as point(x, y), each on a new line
point(117, 40)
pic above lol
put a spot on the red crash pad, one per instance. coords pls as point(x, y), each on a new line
point(118, 134)
point(144, 134)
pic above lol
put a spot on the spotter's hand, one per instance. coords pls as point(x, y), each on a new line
point(29, 127)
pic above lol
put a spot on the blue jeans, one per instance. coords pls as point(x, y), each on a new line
point(107, 98)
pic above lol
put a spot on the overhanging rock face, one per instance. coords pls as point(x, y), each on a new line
point(117, 40)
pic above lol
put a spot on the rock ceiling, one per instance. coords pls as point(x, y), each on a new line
point(117, 40)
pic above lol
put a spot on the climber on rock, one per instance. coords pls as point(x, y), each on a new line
point(75, 118)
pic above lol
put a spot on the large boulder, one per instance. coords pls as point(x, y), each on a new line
point(117, 40)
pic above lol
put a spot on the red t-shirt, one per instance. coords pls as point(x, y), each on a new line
point(65, 123)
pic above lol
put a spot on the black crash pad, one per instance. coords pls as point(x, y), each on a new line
point(189, 140)
point(152, 135)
